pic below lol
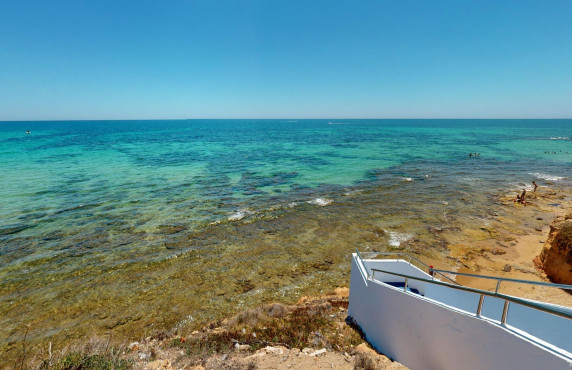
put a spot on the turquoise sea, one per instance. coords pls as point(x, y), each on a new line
point(134, 226)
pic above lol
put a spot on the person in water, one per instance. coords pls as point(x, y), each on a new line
point(535, 186)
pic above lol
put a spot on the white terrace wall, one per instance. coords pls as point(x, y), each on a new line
point(422, 334)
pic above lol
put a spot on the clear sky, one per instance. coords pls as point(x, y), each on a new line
point(147, 59)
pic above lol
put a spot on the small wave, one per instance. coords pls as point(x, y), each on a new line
point(340, 123)
point(559, 138)
point(518, 187)
point(468, 180)
point(407, 179)
point(240, 214)
point(545, 176)
point(320, 202)
point(395, 238)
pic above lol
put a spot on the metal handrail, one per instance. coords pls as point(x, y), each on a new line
point(410, 258)
point(566, 313)
point(362, 263)
point(500, 279)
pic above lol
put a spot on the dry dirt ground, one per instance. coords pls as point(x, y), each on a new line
point(337, 344)
point(363, 357)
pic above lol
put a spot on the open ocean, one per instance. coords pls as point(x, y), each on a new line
point(135, 226)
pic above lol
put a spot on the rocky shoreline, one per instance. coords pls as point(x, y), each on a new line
point(521, 242)
point(520, 247)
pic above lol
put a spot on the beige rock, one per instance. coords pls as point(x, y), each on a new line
point(318, 352)
point(276, 350)
point(342, 292)
point(159, 365)
point(556, 256)
point(365, 357)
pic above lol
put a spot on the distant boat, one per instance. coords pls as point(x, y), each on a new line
point(28, 132)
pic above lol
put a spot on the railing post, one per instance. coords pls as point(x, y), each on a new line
point(405, 285)
point(504, 313)
point(498, 286)
point(480, 307)
point(373, 275)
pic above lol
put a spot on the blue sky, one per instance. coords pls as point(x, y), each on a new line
point(285, 59)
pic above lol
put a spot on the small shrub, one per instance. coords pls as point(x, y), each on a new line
point(364, 362)
point(563, 240)
point(79, 361)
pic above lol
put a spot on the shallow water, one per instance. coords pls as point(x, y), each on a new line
point(134, 226)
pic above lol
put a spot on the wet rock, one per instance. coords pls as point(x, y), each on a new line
point(323, 265)
point(171, 229)
point(13, 229)
point(244, 285)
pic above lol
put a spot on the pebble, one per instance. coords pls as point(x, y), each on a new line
point(241, 347)
point(318, 352)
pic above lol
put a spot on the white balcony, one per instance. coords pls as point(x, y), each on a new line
point(426, 323)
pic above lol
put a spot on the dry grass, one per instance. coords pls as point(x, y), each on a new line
point(563, 240)
point(95, 354)
point(319, 324)
point(365, 362)
point(316, 323)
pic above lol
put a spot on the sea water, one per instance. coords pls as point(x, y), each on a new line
point(128, 226)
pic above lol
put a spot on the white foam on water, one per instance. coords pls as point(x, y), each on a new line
point(395, 238)
point(545, 176)
point(240, 214)
point(407, 179)
point(559, 138)
point(320, 202)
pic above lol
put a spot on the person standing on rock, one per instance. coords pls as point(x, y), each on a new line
point(535, 186)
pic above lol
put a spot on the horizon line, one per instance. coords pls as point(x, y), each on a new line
point(276, 119)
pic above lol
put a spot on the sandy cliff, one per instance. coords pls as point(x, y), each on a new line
point(556, 256)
